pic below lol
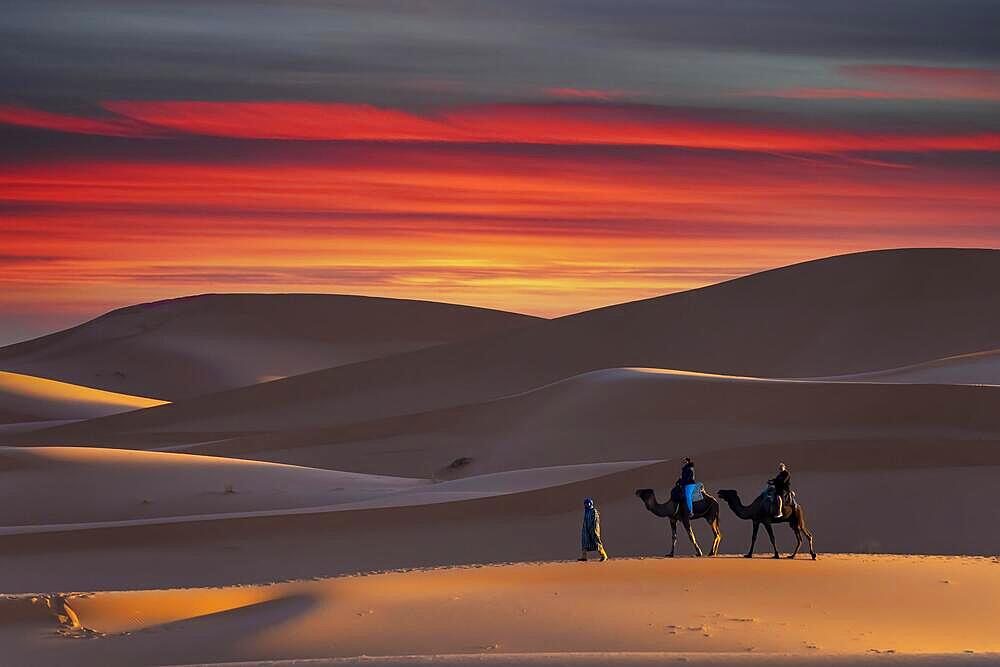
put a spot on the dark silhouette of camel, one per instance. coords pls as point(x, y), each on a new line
point(760, 512)
point(707, 509)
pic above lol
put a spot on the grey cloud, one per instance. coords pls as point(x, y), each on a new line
point(374, 51)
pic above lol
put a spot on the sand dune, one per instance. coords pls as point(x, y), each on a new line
point(837, 606)
point(480, 451)
point(24, 398)
point(974, 368)
point(67, 485)
point(849, 444)
point(538, 522)
point(842, 315)
point(197, 345)
point(633, 414)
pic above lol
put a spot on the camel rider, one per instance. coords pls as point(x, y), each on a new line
point(687, 483)
point(782, 484)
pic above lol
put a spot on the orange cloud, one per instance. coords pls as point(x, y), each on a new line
point(544, 230)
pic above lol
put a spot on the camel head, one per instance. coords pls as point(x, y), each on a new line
point(729, 494)
point(647, 496)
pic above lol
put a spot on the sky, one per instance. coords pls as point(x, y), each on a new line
point(543, 157)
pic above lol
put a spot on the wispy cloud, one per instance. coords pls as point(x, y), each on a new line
point(563, 93)
point(117, 126)
point(964, 83)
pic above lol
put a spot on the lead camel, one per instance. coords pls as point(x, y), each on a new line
point(707, 509)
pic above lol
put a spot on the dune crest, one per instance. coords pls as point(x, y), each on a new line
point(25, 398)
point(979, 368)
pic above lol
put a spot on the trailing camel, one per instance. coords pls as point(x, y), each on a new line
point(761, 512)
point(707, 508)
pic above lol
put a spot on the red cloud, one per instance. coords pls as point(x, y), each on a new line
point(554, 124)
point(289, 120)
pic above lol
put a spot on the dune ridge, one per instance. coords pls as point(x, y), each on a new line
point(25, 398)
point(974, 368)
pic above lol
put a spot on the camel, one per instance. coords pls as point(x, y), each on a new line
point(760, 512)
point(707, 509)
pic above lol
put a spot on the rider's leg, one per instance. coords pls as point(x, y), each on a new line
point(601, 551)
point(689, 490)
point(780, 508)
point(583, 555)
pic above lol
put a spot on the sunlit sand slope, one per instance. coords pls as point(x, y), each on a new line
point(24, 398)
point(839, 605)
point(842, 315)
point(197, 345)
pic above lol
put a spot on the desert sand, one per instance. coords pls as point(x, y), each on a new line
point(236, 526)
point(861, 605)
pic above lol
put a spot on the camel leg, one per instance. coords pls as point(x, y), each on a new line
point(770, 534)
point(753, 540)
point(717, 536)
point(809, 536)
point(798, 540)
point(694, 540)
point(673, 538)
point(799, 518)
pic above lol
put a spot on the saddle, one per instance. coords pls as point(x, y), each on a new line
point(771, 500)
point(677, 493)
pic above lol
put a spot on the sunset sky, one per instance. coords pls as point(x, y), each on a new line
point(544, 157)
